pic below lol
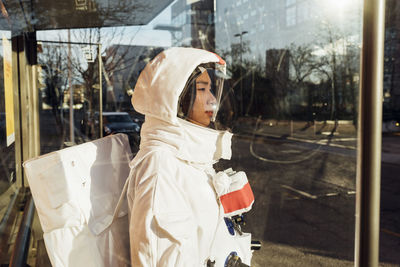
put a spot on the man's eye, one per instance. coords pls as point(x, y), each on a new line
point(201, 89)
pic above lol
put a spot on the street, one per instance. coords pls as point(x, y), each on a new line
point(303, 179)
point(304, 212)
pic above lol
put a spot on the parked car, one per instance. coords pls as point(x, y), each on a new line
point(113, 122)
point(391, 126)
point(121, 122)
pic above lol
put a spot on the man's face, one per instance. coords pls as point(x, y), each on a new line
point(204, 104)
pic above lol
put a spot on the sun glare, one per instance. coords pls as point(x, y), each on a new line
point(339, 5)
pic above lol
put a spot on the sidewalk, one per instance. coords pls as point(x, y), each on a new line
point(321, 133)
point(299, 129)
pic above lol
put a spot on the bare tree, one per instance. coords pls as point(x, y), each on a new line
point(88, 72)
point(53, 64)
point(304, 64)
point(340, 67)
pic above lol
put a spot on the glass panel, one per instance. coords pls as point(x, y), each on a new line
point(295, 81)
point(64, 67)
point(7, 137)
point(27, 16)
point(294, 77)
point(390, 204)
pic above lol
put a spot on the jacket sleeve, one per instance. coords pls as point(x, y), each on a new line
point(162, 228)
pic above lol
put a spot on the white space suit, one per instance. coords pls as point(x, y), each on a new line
point(175, 216)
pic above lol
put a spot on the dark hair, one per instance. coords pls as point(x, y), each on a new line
point(188, 99)
point(188, 94)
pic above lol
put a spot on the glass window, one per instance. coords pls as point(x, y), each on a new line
point(293, 86)
point(303, 11)
point(290, 2)
point(293, 89)
point(8, 181)
point(390, 136)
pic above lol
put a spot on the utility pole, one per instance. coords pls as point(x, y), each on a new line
point(100, 89)
point(241, 68)
point(71, 94)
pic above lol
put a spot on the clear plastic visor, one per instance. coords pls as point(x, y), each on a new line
point(200, 100)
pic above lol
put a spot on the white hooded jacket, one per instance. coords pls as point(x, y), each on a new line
point(175, 216)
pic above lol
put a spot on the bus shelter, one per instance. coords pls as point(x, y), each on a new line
point(306, 77)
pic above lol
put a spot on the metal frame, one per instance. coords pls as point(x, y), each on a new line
point(100, 90)
point(26, 104)
point(370, 135)
point(6, 224)
point(21, 245)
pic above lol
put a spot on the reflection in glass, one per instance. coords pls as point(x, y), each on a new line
point(294, 77)
point(62, 65)
point(27, 16)
point(8, 184)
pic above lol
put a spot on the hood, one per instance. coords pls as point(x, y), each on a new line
point(156, 95)
point(161, 82)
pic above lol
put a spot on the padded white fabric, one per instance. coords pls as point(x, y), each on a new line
point(76, 191)
point(175, 216)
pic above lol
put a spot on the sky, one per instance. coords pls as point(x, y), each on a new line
point(132, 35)
point(145, 35)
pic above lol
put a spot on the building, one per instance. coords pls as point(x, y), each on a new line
point(195, 21)
point(123, 64)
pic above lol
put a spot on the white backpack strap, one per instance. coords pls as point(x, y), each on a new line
point(121, 200)
point(122, 197)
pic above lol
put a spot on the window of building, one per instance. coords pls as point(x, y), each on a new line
point(290, 2)
point(303, 13)
point(291, 16)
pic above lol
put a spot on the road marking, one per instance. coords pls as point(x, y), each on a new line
point(290, 151)
point(323, 142)
point(331, 194)
point(345, 139)
point(390, 232)
point(319, 142)
point(308, 195)
point(305, 194)
point(330, 133)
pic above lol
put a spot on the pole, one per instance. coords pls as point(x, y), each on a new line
point(370, 136)
point(100, 91)
point(240, 35)
point(71, 95)
point(291, 127)
point(241, 74)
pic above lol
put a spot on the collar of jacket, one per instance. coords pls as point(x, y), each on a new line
point(189, 142)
